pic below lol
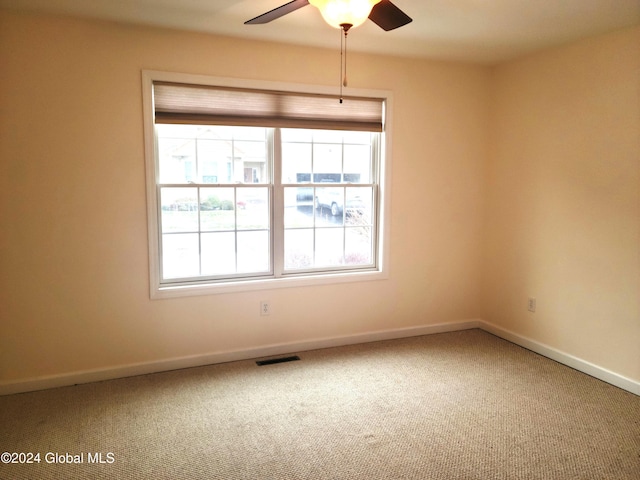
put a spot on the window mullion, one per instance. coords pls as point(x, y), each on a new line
point(277, 210)
point(315, 195)
point(199, 202)
point(235, 215)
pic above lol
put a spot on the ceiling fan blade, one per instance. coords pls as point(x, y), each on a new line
point(387, 16)
point(278, 12)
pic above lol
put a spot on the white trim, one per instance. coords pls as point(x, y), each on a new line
point(151, 181)
point(564, 358)
point(267, 284)
point(97, 375)
point(159, 291)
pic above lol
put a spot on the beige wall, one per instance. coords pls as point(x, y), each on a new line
point(516, 181)
point(563, 205)
point(74, 288)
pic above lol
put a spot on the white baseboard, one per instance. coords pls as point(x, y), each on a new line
point(98, 375)
point(88, 376)
point(561, 357)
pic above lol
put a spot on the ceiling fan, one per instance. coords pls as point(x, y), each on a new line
point(384, 13)
point(343, 14)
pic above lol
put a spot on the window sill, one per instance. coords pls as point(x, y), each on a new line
point(174, 291)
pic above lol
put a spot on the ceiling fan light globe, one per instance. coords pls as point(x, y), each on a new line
point(339, 12)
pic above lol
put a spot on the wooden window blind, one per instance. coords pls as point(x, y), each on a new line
point(181, 103)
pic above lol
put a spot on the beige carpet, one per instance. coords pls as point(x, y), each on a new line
point(463, 405)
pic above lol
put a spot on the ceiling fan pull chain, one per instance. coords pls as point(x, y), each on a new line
point(344, 81)
point(343, 56)
point(341, 63)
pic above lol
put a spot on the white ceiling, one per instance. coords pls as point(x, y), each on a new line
point(483, 31)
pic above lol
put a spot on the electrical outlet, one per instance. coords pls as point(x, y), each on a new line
point(265, 308)
point(532, 304)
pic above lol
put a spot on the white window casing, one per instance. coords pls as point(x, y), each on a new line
point(185, 100)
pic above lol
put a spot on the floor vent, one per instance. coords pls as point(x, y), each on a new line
point(272, 361)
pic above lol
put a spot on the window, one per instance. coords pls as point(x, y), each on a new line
point(251, 186)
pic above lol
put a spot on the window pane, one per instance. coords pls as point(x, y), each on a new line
point(253, 252)
point(248, 133)
point(217, 209)
point(212, 154)
point(337, 156)
point(358, 246)
point(296, 162)
point(357, 163)
point(358, 205)
point(180, 131)
point(250, 161)
point(329, 204)
point(180, 257)
point(214, 161)
point(218, 253)
point(177, 160)
point(298, 207)
point(298, 249)
point(328, 136)
point(179, 209)
point(219, 132)
point(329, 247)
point(362, 138)
point(217, 221)
point(327, 158)
point(296, 135)
point(342, 224)
point(253, 208)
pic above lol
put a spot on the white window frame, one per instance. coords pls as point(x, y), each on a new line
point(158, 290)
